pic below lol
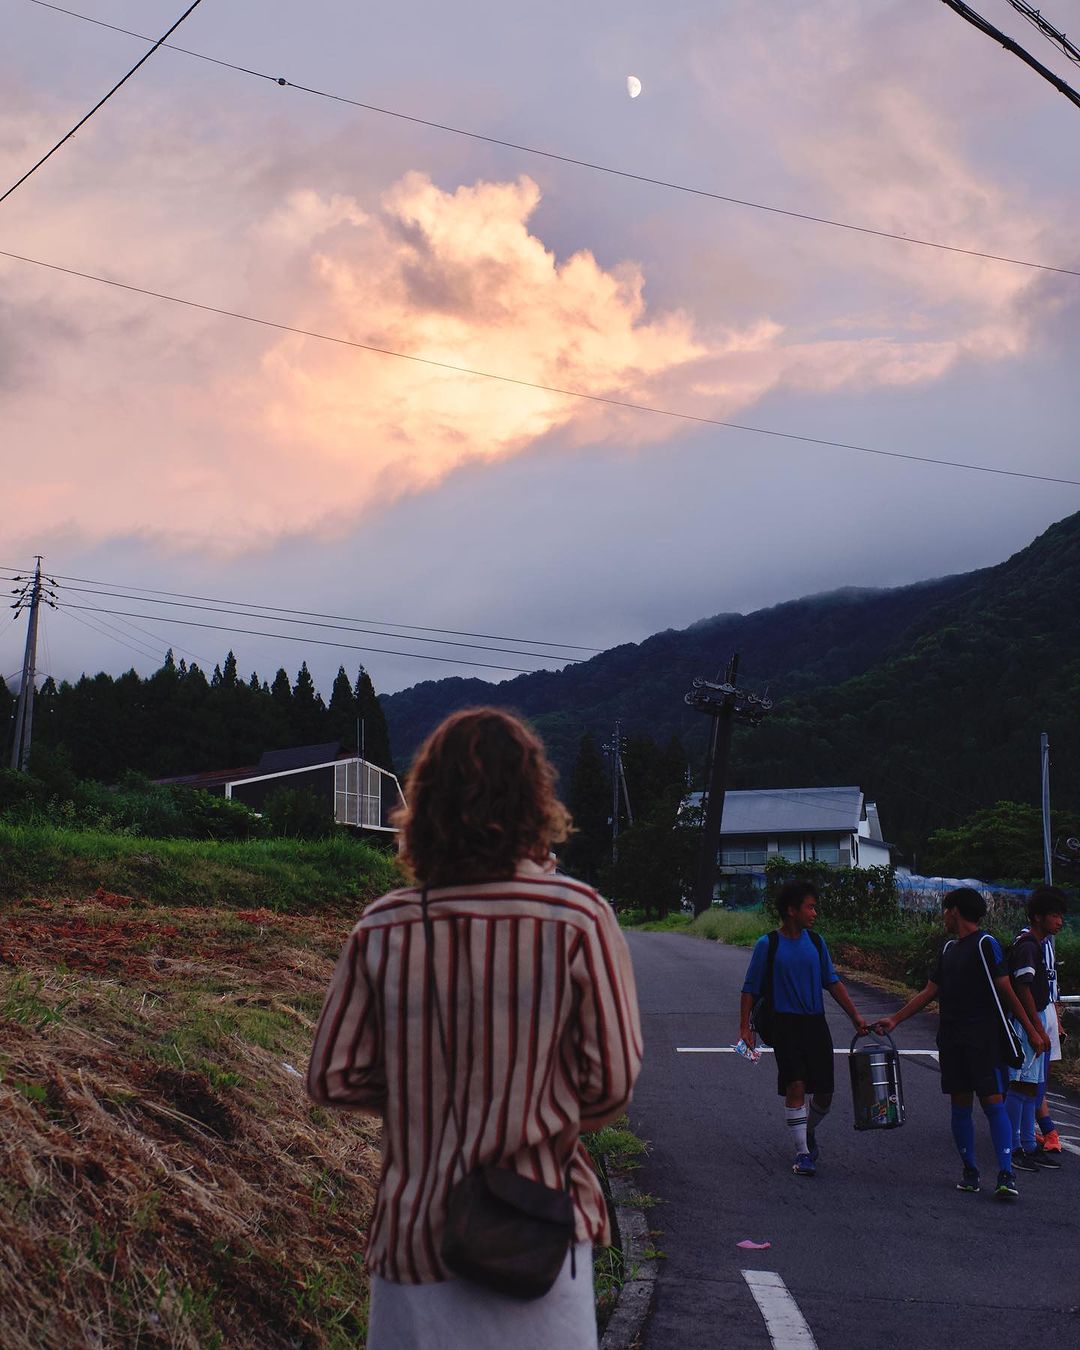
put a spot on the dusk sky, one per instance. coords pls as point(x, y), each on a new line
point(157, 446)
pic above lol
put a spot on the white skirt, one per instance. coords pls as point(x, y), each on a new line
point(457, 1315)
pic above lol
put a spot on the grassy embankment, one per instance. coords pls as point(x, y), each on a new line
point(164, 1180)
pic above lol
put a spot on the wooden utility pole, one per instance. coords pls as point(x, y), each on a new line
point(24, 712)
point(724, 702)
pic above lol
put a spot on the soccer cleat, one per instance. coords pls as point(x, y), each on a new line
point(969, 1182)
point(803, 1166)
point(1006, 1187)
point(1050, 1142)
point(1045, 1158)
point(1024, 1162)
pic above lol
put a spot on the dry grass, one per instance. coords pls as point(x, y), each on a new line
point(164, 1180)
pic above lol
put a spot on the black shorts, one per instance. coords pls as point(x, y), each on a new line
point(804, 1051)
point(970, 1064)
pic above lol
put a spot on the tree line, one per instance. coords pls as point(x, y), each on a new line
point(178, 720)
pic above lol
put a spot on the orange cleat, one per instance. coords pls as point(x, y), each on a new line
point(1051, 1142)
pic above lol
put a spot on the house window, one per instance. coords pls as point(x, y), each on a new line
point(743, 852)
point(790, 849)
point(826, 850)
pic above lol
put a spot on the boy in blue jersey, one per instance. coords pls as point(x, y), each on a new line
point(802, 969)
point(971, 982)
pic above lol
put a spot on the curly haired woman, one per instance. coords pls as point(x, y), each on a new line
point(537, 1016)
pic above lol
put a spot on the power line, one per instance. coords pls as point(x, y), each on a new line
point(581, 163)
point(318, 642)
point(83, 120)
point(96, 627)
point(984, 26)
point(532, 384)
point(313, 623)
point(1047, 29)
point(315, 614)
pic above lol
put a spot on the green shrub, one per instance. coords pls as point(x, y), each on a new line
point(859, 897)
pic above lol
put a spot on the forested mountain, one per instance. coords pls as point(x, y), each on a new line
point(931, 697)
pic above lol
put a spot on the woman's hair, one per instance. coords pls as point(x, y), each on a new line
point(968, 901)
point(480, 799)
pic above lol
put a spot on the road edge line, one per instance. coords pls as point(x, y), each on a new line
point(788, 1329)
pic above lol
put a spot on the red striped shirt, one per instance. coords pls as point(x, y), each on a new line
point(537, 994)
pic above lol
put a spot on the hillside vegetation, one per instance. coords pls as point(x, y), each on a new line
point(930, 697)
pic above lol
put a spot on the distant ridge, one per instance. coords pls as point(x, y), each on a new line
point(931, 696)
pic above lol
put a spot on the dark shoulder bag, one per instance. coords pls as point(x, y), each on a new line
point(503, 1231)
point(762, 1014)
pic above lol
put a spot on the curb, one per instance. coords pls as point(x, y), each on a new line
point(636, 1296)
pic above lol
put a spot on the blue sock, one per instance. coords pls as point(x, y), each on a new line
point(1040, 1096)
point(1000, 1132)
point(1027, 1125)
point(1046, 1125)
point(1014, 1107)
point(963, 1131)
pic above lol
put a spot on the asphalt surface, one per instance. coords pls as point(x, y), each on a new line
point(879, 1249)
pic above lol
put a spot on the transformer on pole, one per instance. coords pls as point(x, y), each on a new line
point(725, 703)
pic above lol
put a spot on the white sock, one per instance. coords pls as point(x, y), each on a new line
point(796, 1119)
point(815, 1115)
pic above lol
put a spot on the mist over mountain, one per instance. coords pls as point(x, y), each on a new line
point(930, 696)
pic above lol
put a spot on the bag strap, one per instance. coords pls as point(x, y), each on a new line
point(1009, 1032)
point(819, 943)
point(433, 992)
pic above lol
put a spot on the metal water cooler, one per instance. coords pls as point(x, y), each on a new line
point(877, 1090)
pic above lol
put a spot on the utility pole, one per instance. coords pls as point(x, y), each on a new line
point(724, 703)
point(614, 748)
point(24, 712)
point(1048, 852)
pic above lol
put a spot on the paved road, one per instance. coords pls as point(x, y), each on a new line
point(879, 1250)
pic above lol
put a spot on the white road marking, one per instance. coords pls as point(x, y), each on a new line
point(767, 1050)
point(1073, 1148)
point(784, 1322)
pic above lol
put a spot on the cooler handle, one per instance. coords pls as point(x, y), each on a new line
point(878, 1035)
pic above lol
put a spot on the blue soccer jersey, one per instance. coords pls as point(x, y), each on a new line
point(799, 973)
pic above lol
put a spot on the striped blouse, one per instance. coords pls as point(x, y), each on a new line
point(537, 994)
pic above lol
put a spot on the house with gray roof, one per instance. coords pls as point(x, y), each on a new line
point(834, 825)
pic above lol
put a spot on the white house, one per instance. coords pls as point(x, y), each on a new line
point(834, 825)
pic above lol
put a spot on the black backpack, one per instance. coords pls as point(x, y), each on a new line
point(762, 1014)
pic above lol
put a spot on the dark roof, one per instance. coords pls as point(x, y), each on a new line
point(209, 778)
point(790, 810)
point(298, 757)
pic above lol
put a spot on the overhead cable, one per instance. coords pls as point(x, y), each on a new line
point(83, 120)
point(137, 591)
point(532, 384)
point(984, 26)
point(582, 163)
point(318, 642)
point(314, 623)
point(1039, 21)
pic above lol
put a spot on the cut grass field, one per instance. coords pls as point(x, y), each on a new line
point(279, 874)
point(164, 1179)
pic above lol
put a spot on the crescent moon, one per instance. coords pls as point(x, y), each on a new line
point(633, 86)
